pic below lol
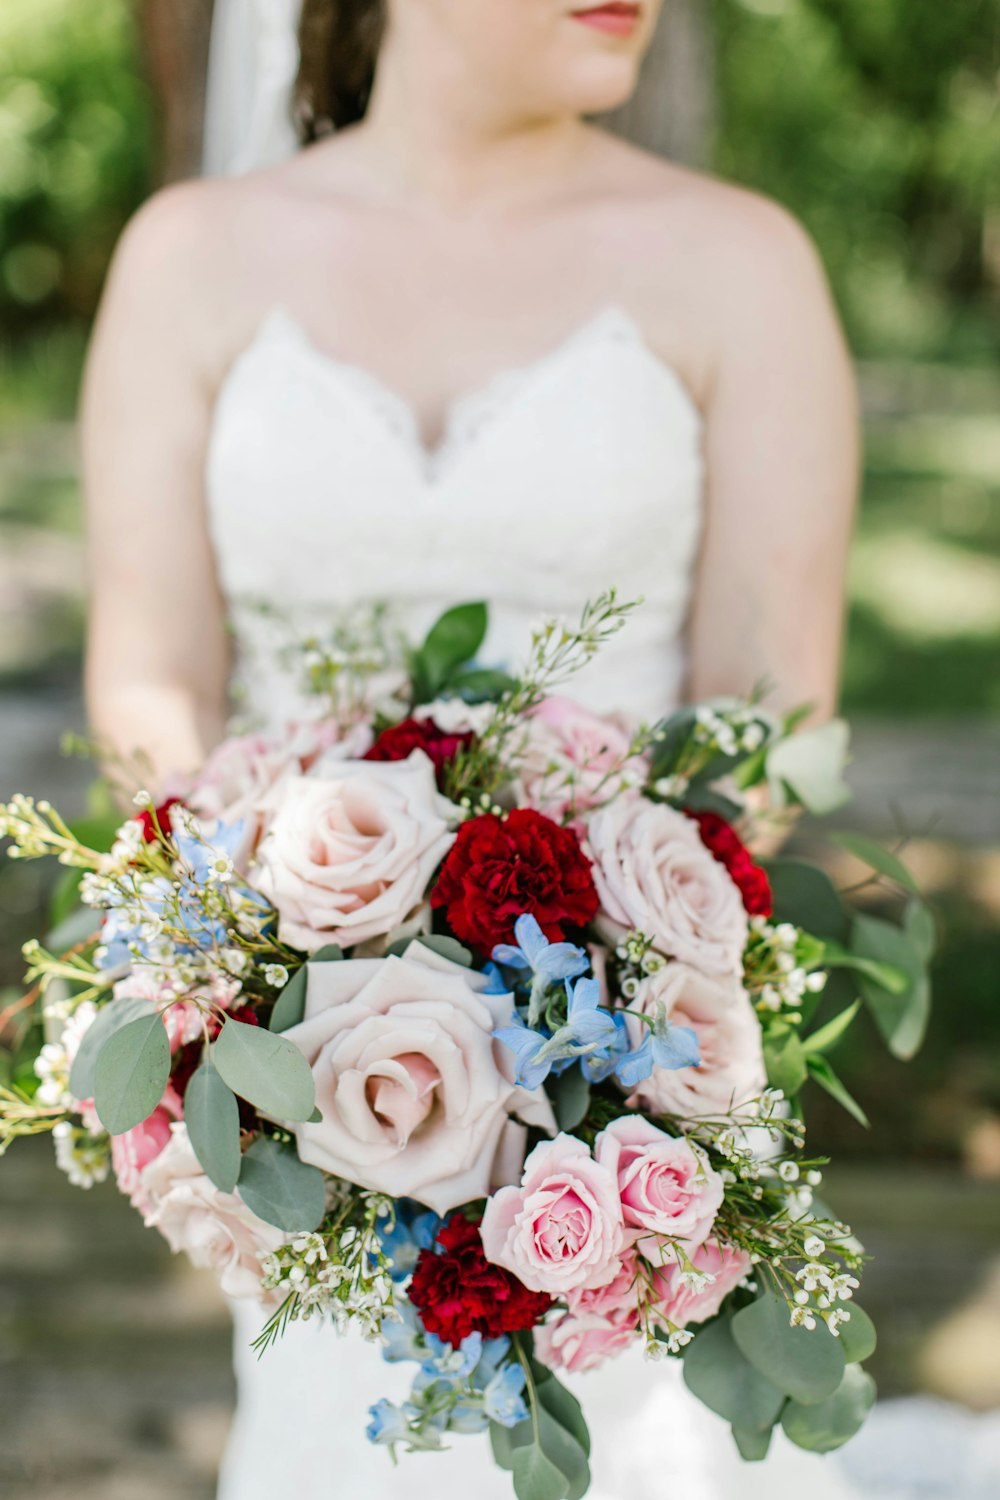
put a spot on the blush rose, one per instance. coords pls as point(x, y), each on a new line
point(573, 759)
point(349, 854)
point(678, 1304)
point(416, 1096)
point(654, 874)
point(666, 1184)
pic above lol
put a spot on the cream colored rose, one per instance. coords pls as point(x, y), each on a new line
point(653, 873)
point(417, 1098)
point(731, 1072)
point(215, 1229)
point(349, 854)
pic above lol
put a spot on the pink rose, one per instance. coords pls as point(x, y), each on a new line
point(618, 1297)
point(416, 1095)
point(666, 1184)
point(572, 759)
point(562, 1228)
point(719, 1011)
point(654, 874)
point(132, 1152)
point(725, 1265)
point(238, 775)
point(215, 1229)
point(579, 1341)
point(349, 854)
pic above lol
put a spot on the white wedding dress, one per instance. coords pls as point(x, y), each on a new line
point(577, 472)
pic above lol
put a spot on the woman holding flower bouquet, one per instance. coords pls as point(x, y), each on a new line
point(469, 346)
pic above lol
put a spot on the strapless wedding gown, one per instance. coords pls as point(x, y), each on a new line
point(579, 471)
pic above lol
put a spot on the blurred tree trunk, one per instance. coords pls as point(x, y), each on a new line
point(175, 35)
point(673, 110)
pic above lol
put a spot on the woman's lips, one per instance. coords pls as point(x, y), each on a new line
point(616, 18)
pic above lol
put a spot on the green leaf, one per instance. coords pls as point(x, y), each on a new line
point(280, 1189)
point(504, 1440)
point(726, 1382)
point(890, 978)
point(825, 1037)
point(451, 641)
point(901, 1017)
point(699, 798)
point(825, 1425)
point(753, 1442)
point(446, 947)
point(212, 1117)
point(132, 1071)
point(805, 896)
point(110, 1018)
point(806, 1363)
point(564, 1408)
point(784, 1059)
point(97, 832)
point(570, 1096)
point(290, 1006)
point(536, 1477)
point(65, 900)
point(810, 765)
point(872, 854)
point(266, 1070)
point(919, 926)
point(821, 1070)
point(858, 1337)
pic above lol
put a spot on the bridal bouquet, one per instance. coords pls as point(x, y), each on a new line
point(465, 1016)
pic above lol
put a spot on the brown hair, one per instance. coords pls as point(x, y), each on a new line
point(339, 45)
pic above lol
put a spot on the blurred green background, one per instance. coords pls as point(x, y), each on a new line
point(878, 123)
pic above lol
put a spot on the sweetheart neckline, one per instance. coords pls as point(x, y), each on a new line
point(468, 412)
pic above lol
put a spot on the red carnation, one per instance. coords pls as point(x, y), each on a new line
point(457, 1291)
point(721, 839)
point(402, 739)
point(162, 817)
point(501, 867)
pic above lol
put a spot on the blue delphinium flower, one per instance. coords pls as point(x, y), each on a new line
point(454, 1364)
point(503, 1396)
point(413, 1230)
point(389, 1423)
point(403, 1338)
point(663, 1046)
point(589, 1029)
point(548, 963)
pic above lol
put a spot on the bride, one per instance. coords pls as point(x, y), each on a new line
point(470, 346)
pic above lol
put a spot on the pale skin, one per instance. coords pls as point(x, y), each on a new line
point(468, 225)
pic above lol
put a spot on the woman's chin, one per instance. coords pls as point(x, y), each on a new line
point(606, 84)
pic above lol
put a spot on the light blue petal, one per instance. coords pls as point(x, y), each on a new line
point(530, 937)
point(513, 958)
point(677, 1049)
point(637, 1066)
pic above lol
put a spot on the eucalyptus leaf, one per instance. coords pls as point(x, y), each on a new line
point(805, 896)
point(569, 1093)
point(110, 1018)
point(726, 1382)
point(212, 1117)
point(872, 854)
point(446, 947)
point(753, 1442)
point(481, 685)
point(280, 1189)
point(699, 798)
point(290, 1006)
point(266, 1070)
point(822, 1072)
point(888, 976)
point(919, 926)
point(563, 1450)
point(536, 1477)
point(133, 1068)
point(806, 1363)
point(810, 765)
point(901, 1017)
point(79, 925)
point(857, 1336)
point(504, 1440)
point(823, 1426)
point(564, 1408)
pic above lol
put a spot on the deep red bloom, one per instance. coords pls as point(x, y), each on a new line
point(402, 739)
point(457, 1291)
point(501, 867)
point(145, 817)
point(721, 839)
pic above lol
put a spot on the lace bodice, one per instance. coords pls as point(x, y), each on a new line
point(579, 471)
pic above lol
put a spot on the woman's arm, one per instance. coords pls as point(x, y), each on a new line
point(782, 461)
point(157, 654)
